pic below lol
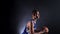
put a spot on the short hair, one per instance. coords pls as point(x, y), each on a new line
point(35, 11)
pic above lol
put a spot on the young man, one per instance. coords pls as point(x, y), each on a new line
point(31, 27)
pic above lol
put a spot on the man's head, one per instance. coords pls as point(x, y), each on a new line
point(35, 14)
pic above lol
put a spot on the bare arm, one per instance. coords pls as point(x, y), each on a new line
point(29, 27)
point(45, 30)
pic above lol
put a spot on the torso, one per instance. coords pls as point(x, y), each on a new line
point(34, 26)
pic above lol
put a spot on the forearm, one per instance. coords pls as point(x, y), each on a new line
point(43, 31)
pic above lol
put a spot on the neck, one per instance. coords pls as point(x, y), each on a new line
point(35, 20)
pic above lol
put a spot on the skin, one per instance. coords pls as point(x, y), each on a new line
point(29, 24)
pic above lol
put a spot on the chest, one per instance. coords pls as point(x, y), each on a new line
point(35, 26)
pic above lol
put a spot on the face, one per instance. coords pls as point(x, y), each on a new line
point(36, 15)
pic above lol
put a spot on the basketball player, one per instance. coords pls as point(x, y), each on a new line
point(31, 27)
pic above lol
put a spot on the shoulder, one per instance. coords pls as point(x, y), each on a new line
point(29, 22)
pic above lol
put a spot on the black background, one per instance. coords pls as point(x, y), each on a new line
point(13, 10)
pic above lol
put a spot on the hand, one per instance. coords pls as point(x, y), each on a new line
point(46, 29)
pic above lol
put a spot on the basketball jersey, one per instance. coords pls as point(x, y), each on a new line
point(26, 29)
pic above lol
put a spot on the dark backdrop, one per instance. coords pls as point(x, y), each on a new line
point(18, 12)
